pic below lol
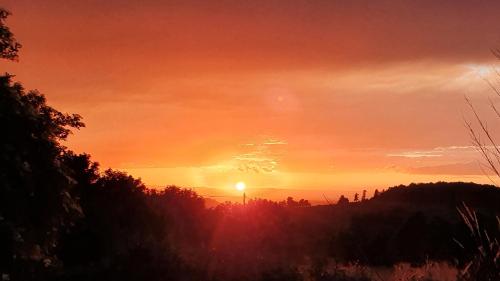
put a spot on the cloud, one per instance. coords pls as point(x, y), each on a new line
point(469, 168)
point(231, 35)
point(415, 154)
point(274, 142)
point(440, 151)
point(260, 157)
point(442, 160)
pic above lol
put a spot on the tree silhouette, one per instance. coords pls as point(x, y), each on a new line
point(290, 202)
point(342, 200)
point(35, 189)
point(356, 197)
point(35, 184)
point(9, 47)
point(84, 171)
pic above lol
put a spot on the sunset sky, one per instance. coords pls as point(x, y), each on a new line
point(318, 96)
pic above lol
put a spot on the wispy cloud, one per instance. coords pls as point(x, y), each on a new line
point(440, 151)
point(274, 142)
point(415, 154)
point(469, 168)
point(260, 157)
point(441, 160)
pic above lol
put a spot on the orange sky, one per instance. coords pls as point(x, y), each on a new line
point(312, 95)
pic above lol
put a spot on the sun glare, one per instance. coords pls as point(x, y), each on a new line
point(240, 186)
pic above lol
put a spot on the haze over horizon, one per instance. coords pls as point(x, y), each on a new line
point(319, 95)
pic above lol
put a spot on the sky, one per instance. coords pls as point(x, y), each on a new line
point(314, 96)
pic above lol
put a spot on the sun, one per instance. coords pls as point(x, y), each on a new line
point(240, 186)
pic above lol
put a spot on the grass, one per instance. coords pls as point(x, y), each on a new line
point(485, 264)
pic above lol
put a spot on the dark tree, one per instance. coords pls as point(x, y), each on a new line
point(290, 202)
point(35, 185)
point(356, 197)
point(343, 200)
point(84, 171)
point(304, 203)
point(9, 47)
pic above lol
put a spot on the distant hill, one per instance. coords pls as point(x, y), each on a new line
point(447, 195)
point(404, 223)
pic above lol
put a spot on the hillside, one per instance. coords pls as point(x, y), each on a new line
point(442, 195)
point(403, 224)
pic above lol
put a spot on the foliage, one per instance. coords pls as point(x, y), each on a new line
point(343, 200)
point(9, 47)
point(35, 186)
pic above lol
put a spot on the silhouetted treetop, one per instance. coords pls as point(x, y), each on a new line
point(290, 202)
point(343, 200)
point(9, 47)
